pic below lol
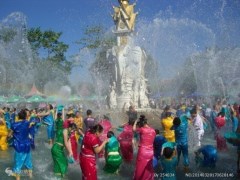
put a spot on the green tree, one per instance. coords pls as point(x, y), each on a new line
point(95, 38)
point(7, 34)
point(48, 42)
point(50, 60)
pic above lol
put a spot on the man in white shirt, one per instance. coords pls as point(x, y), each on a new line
point(198, 125)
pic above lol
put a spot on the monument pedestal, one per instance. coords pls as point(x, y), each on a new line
point(123, 101)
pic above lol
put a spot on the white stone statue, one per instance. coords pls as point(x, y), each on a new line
point(128, 83)
point(113, 96)
point(143, 99)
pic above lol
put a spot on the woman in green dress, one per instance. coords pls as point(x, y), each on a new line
point(112, 156)
point(60, 160)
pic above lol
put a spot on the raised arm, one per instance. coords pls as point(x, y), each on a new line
point(98, 149)
point(44, 113)
point(55, 115)
point(135, 125)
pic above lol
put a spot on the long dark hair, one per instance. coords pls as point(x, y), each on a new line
point(110, 134)
point(96, 128)
point(142, 121)
point(22, 114)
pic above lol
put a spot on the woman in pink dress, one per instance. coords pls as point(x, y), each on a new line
point(107, 126)
point(90, 147)
point(144, 166)
point(125, 139)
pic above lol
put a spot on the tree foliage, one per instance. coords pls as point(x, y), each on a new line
point(50, 58)
point(48, 42)
point(7, 34)
point(95, 38)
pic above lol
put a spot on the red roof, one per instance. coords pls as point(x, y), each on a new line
point(34, 91)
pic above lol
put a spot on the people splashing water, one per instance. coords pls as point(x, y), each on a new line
point(90, 147)
point(48, 119)
point(144, 166)
point(22, 145)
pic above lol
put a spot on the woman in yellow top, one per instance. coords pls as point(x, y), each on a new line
point(78, 120)
point(3, 133)
point(167, 123)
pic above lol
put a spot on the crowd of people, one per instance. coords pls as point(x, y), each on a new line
point(67, 130)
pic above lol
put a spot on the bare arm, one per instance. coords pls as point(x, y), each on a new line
point(135, 125)
point(98, 149)
point(80, 132)
point(67, 143)
point(43, 114)
point(55, 115)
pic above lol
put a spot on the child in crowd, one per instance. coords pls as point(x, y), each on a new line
point(169, 163)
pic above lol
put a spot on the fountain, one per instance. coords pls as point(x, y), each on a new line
point(216, 76)
point(15, 52)
point(170, 40)
point(128, 85)
point(20, 66)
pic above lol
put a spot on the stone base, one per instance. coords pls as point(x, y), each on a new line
point(123, 102)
